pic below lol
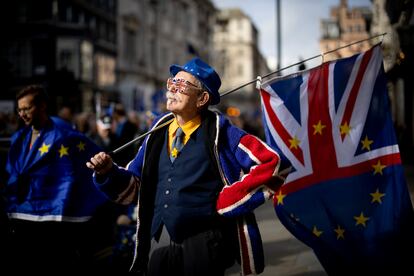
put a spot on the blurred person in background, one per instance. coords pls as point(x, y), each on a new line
point(50, 200)
point(104, 136)
point(66, 113)
point(134, 118)
point(125, 131)
point(84, 123)
point(149, 118)
point(64, 118)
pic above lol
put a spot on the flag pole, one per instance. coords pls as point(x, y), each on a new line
point(139, 137)
point(241, 86)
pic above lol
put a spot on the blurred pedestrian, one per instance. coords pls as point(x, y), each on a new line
point(149, 118)
point(49, 197)
point(105, 137)
point(66, 114)
point(125, 131)
point(195, 211)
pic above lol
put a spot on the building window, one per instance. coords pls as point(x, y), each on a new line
point(92, 23)
point(81, 20)
point(69, 14)
point(65, 59)
point(102, 30)
point(222, 25)
point(129, 44)
point(240, 24)
point(86, 61)
point(111, 35)
point(240, 70)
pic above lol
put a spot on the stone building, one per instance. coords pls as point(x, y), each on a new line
point(67, 45)
point(238, 60)
point(345, 25)
point(152, 35)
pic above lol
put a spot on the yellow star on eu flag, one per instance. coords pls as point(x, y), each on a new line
point(280, 198)
point(294, 143)
point(44, 149)
point(339, 233)
point(316, 232)
point(81, 146)
point(366, 143)
point(63, 151)
point(318, 128)
point(345, 128)
point(376, 197)
point(361, 219)
point(378, 167)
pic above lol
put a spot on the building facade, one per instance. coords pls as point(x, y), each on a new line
point(238, 60)
point(345, 25)
point(396, 19)
point(152, 35)
point(67, 45)
point(92, 53)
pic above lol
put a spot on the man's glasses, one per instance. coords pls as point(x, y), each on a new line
point(181, 86)
point(25, 110)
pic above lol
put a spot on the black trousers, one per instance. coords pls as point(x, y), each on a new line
point(43, 247)
point(207, 253)
point(52, 248)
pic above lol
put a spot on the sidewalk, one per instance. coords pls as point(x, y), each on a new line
point(284, 254)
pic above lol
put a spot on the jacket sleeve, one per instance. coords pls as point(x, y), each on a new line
point(260, 165)
point(122, 185)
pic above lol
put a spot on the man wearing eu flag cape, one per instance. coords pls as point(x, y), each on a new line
point(50, 196)
point(346, 195)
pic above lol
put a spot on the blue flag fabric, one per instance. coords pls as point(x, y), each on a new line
point(346, 196)
point(50, 181)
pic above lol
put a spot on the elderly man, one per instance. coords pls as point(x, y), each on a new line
point(196, 181)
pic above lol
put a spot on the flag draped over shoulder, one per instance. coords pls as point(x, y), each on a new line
point(346, 196)
point(50, 181)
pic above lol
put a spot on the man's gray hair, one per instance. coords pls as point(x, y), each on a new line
point(200, 84)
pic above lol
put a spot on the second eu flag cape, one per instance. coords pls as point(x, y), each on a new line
point(346, 196)
point(50, 181)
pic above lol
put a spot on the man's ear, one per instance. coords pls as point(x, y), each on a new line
point(203, 99)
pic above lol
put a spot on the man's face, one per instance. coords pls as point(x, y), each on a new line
point(27, 110)
point(183, 95)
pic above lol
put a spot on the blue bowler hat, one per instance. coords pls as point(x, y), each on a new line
point(204, 73)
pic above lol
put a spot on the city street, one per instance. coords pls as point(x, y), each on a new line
point(284, 254)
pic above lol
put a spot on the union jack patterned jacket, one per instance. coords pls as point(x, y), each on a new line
point(248, 170)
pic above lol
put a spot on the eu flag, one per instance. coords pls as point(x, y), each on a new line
point(346, 196)
point(50, 181)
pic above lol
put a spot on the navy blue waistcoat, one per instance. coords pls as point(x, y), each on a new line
point(187, 190)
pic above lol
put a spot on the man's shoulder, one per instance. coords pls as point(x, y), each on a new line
point(70, 135)
point(21, 132)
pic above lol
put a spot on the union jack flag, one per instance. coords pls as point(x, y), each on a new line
point(346, 195)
